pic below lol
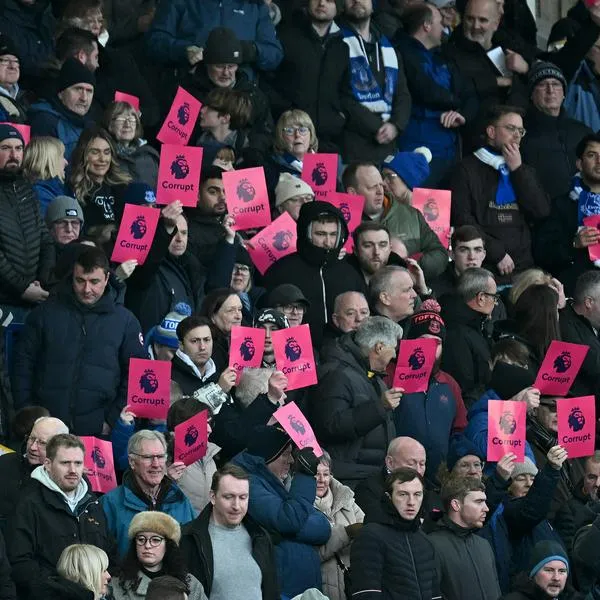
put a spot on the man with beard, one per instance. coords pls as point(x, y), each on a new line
point(457, 544)
point(377, 100)
point(26, 248)
point(431, 417)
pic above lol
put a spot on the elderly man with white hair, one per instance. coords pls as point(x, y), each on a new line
point(351, 405)
point(16, 467)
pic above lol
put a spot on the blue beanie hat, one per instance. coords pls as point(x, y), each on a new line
point(461, 446)
point(140, 194)
point(411, 167)
point(166, 332)
point(543, 553)
point(9, 132)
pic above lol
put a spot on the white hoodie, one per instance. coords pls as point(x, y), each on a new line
point(41, 475)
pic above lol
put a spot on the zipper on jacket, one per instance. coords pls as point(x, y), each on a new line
point(324, 296)
point(412, 560)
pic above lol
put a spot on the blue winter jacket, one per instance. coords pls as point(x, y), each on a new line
point(477, 428)
point(582, 101)
point(122, 504)
point(295, 525)
point(182, 23)
point(73, 359)
point(53, 119)
point(47, 190)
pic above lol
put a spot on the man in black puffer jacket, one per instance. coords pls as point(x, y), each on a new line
point(351, 408)
point(314, 267)
point(392, 558)
point(73, 354)
point(26, 249)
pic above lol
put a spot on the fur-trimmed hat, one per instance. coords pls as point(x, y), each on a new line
point(156, 522)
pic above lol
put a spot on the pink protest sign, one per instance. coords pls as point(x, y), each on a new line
point(434, 205)
point(99, 463)
point(506, 429)
point(179, 175)
point(594, 250)
point(320, 172)
point(129, 98)
point(351, 207)
point(247, 198)
point(297, 427)
point(294, 356)
point(273, 242)
point(191, 439)
point(181, 120)
point(136, 233)
point(560, 367)
point(24, 130)
point(149, 388)
point(577, 425)
point(415, 363)
point(246, 348)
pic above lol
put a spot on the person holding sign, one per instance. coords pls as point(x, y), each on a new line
point(289, 513)
point(352, 409)
point(432, 416)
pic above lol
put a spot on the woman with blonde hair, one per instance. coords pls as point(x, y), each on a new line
point(82, 574)
point(531, 277)
point(44, 166)
point(98, 182)
point(136, 155)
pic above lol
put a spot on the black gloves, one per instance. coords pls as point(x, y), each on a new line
point(307, 462)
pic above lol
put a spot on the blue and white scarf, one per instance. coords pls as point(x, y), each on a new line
point(362, 81)
point(505, 193)
point(588, 203)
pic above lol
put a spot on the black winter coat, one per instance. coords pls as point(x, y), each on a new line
point(549, 147)
point(59, 588)
point(468, 567)
point(311, 77)
point(7, 586)
point(26, 248)
point(204, 233)
point(74, 359)
point(317, 272)
point(467, 356)
point(15, 473)
point(43, 526)
point(506, 228)
point(197, 548)
point(393, 560)
point(348, 415)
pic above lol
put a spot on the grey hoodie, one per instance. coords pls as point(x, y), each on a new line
point(41, 475)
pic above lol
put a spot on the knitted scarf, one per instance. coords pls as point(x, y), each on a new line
point(505, 194)
point(588, 203)
point(362, 81)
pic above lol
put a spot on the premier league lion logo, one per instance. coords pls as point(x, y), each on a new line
point(576, 419)
point(431, 212)
point(149, 381)
point(245, 190)
point(296, 425)
point(191, 435)
point(281, 240)
point(417, 359)
point(563, 362)
point(183, 114)
point(319, 174)
point(98, 458)
point(293, 351)
point(247, 349)
point(179, 167)
point(508, 423)
point(138, 228)
point(345, 210)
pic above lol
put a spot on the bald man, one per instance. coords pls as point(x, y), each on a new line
point(401, 452)
point(350, 309)
point(16, 467)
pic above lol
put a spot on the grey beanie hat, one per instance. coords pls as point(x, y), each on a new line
point(525, 468)
point(63, 207)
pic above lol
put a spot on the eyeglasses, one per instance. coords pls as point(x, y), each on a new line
point(496, 297)
point(302, 130)
point(148, 458)
point(293, 308)
point(66, 224)
point(31, 440)
point(153, 540)
point(389, 175)
point(514, 129)
point(549, 85)
point(241, 269)
point(8, 62)
point(123, 120)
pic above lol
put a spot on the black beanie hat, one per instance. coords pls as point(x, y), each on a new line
point(544, 552)
point(541, 70)
point(427, 321)
point(508, 380)
point(222, 48)
point(268, 442)
point(7, 46)
point(461, 446)
point(73, 72)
